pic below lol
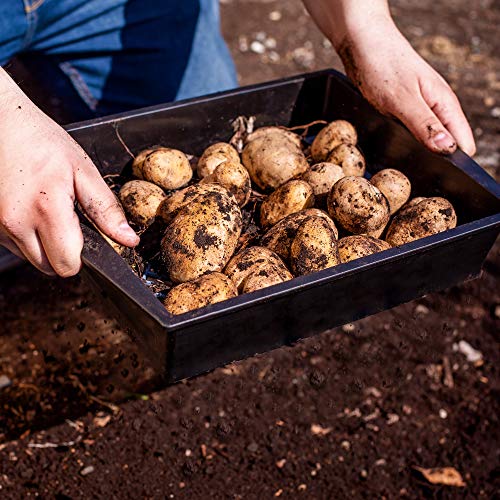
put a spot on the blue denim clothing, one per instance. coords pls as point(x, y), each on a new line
point(118, 54)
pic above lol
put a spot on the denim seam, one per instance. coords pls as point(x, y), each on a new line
point(31, 20)
point(31, 7)
point(80, 86)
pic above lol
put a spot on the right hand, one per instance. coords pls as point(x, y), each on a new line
point(43, 171)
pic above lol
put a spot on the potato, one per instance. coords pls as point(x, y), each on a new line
point(279, 131)
point(203, 291)
point(358, 206)
point(349, 157)
point(321, 177)
point(280, 237)
point(264, 277)
point(139, 161)
point(291, 197)
point(272, 159)
point(141, 199)
point(411, 203)
point(425, 218)
point(394, 185)
point(213, 156)
point(331, 136)
point(251, 260)
point(314, 247)
point(170, 207)
point(202, 237)
point(234, 177)
point(167, 168)
point(355, 247)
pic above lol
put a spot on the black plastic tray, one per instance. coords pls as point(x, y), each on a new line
point(199, 341)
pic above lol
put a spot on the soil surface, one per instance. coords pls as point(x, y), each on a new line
point(350, 413)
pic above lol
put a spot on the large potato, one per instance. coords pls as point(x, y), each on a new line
point(321, 177)
point(138, 162)
point(280, 237)
point(234, 177)
point(314, 247)
point(264, 277)
point(355, 247)
point(358, 206)
point(214, 155)
point(291, 197)
point(349, 157)
point(202, 237)
point(252, 259)
point(141, 199)
point(273, 159)
point(394, 185)
point(331, 136)
point(167, 168)
point(429, 216)
point(203, 291)
point(171, 206)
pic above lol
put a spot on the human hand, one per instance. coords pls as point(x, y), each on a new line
point(399, 83)
point(43, 171)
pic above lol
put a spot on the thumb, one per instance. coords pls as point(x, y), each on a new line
point(419, 118)
point(102, 206)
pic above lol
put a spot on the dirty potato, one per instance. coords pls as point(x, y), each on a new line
point(213, 156)
point(429, 216)
point(203, 291)
point(321, 177)
point(141, 199)
point(202, 237)
point(355, 247)
point(394, 185)
point(350, 158)
point(252, 259)
point(264, 277)
point(139, 161)
point(358, 206)
point(291, 197)
point(171, 206)
point(331, 136)
point(280, 237)
point(234, 177)
point(272, 159)
point(168, 168)
point(314, 247)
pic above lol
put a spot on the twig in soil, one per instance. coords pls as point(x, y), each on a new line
point(65, 444)
point(122, 142)
point(448, 374)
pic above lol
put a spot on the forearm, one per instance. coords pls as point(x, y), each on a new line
point(344, 19)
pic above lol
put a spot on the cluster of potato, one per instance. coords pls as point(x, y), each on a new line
point(308, 200)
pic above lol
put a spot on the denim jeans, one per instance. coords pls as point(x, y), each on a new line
point(108, 56)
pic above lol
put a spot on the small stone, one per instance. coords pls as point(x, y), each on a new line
point(302, 487)
point(472, 355)
point(275, 16)
point(188, 453)
point(443, 413)
point(380, 462)
point(392, 418)
point(349, 328)
point(495, 112)
point(257, 47)
point(421, 310)
point(5, 382)
point(270, 43)
point(363, 473)
point(87, 470)
point(346, 445)
point(281, 463)
point(252, 447)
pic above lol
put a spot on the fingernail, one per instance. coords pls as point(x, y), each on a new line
point(443, 142)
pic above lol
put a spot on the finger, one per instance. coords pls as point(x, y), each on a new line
point(447, 108)
point(32, 249)
point(62, 238)
point(416, 114)
point(102, 206)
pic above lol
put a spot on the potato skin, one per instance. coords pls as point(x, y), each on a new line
point(202, 237)
point(141, 199)
point(273, 159)
point(278, 131)
point(355, 247)
point(264, 277)
point(429, 216)
point(394, 185)
point(350, 158)
point(173, 204)
point(280, 237)
point(358, 206)
point(234, 177)
point(252, 259)
point(213, 156)
point(321, 177)
point(203, 291)
point(168, 168)
point(411, 203)
point(331, 136)
point(139, 161)
point(314, 247)
point(291, 197)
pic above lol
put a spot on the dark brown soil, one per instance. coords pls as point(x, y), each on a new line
point(347, 414)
